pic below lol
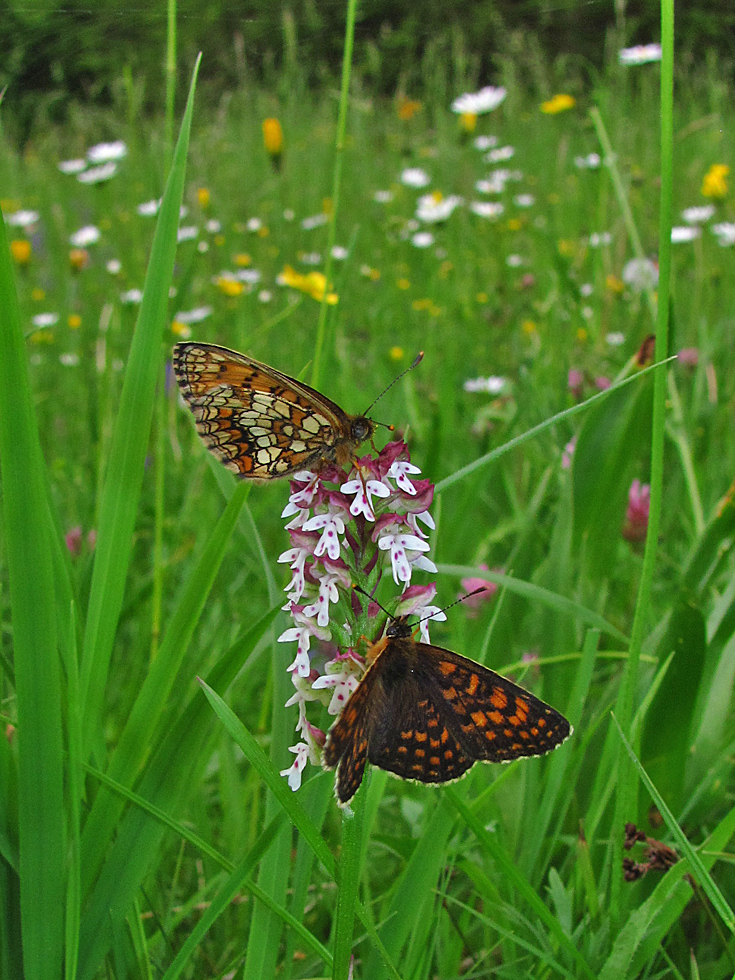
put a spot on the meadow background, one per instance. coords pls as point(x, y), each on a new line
point(144, 834)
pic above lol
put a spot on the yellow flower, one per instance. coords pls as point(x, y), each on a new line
point(559, 103)
point(421, 304)
point(614, 285)
point(515, 224)
point(181, 329)
point(529, 327)
point(74, 321)
point(468, 121)
point(715, 181)
point(263, 231)
point(273, 138)
point(42, 337)
point(407, 108)
point(219, 240)
point(78, 259)
point(327, 205)
point(203, 197)
point(566, 247)
point(38, 294)
point(243, 259)
point(21, 250)
point(230, 287)
point(403, 284)
point(581, 335)
point(482, 297)
point(314, 284)
point(396, 353)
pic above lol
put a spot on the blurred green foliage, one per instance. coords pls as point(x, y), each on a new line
point(53, 52)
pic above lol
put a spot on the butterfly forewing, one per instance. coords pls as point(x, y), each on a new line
point(258, 422)
point(428, 714)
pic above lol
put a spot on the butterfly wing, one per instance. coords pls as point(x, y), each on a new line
point(493, 719)
point(258, 422)
point(346, 748)
point(411, 732)
point(429, 714)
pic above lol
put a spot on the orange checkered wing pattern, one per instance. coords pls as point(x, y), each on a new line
point(427, 714)
point(260, 423)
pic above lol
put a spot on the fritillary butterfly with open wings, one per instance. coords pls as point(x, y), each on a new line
point(260, 423)
point(428, 714)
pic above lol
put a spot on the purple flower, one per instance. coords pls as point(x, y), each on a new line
point(472, 584)
point(73, 540)
point(688, 356)
point(575, 380)
point(636, 515)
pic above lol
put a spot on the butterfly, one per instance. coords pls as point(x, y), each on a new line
point(427, 714)
point(260, 423)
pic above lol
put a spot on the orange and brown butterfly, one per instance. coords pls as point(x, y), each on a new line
point(427, 714)
point(260, 423)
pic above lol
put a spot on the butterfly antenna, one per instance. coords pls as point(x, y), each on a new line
point(444, 609)
point(416, 360)
point(456, 602)
point(373, 599)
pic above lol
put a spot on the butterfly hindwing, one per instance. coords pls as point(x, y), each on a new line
point(428, 714)
point(258, 422)
point(409, 734)
point(346, 748)
point(494, 719)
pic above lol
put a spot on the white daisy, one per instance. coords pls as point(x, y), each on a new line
point(477, 103)
point(103, 152)
point(414, 177)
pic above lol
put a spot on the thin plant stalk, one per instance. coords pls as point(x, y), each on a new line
point(628, 779)
point(336, 184)
point(170, 78)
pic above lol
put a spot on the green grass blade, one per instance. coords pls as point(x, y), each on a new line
point(348, 881)
point(517, 880)
point(535, 430)
point(558, 765)
point(700, 872)
point(417, 881)
point(275, 783)
point(235, 883)
point(627, 786)
point(121, 491)
point(76, 791)
point(536, 593)
point(646, 927)
point(161, 817)
point(135, 740)
point(172, 774)
point(37, 672)
point(279, 787)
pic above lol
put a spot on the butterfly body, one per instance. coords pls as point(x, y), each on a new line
point(428, 714)
point(259, 423)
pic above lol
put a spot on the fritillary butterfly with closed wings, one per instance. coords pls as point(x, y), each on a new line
point(427, 714)
point(258, 422)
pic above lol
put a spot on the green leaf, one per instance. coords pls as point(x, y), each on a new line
point(610, 448)
point(172, 773)
point(28, 541)
point(667, 735)
point(125, 465)
point(536, 593)
point(697, 866)
point(136, 737)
